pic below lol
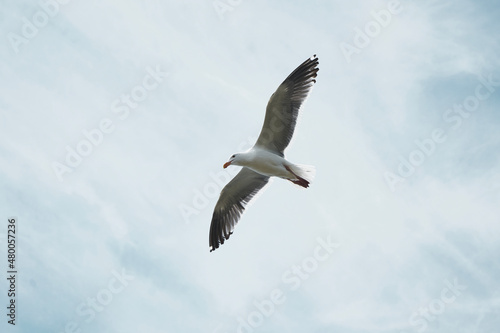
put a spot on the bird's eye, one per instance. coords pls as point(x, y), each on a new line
point(233, 156)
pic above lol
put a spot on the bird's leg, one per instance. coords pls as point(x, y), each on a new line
point(299, 181)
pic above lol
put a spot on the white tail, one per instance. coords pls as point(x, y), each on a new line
point(304, 171)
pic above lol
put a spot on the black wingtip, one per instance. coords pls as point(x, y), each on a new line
point(216, 242)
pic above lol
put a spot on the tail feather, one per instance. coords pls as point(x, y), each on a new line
point(308, 172)
point(304, 173)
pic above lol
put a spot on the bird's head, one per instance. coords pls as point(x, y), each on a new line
point(233, 160)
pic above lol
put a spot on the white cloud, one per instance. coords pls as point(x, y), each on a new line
point(119, 209)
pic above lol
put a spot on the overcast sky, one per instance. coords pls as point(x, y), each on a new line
point(116, 118)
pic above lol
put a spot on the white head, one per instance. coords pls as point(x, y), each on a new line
point(235, 159)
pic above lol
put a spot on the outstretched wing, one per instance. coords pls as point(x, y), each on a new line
point(284, 105)
point(231, 204)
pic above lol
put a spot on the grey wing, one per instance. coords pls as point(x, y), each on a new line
point(284, 105)
point(231, 204)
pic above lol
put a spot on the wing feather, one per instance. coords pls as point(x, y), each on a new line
point(231, 204)
point(284, 105)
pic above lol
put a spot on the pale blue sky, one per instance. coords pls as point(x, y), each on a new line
point(117, 240)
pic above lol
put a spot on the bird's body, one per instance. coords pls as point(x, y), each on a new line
point(265, 163)
point(266, 158)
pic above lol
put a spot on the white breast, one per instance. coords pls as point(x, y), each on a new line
point(267, 163)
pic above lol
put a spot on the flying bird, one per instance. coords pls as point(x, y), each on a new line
point(266, 158)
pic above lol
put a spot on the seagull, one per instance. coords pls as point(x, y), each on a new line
point(266, 158)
